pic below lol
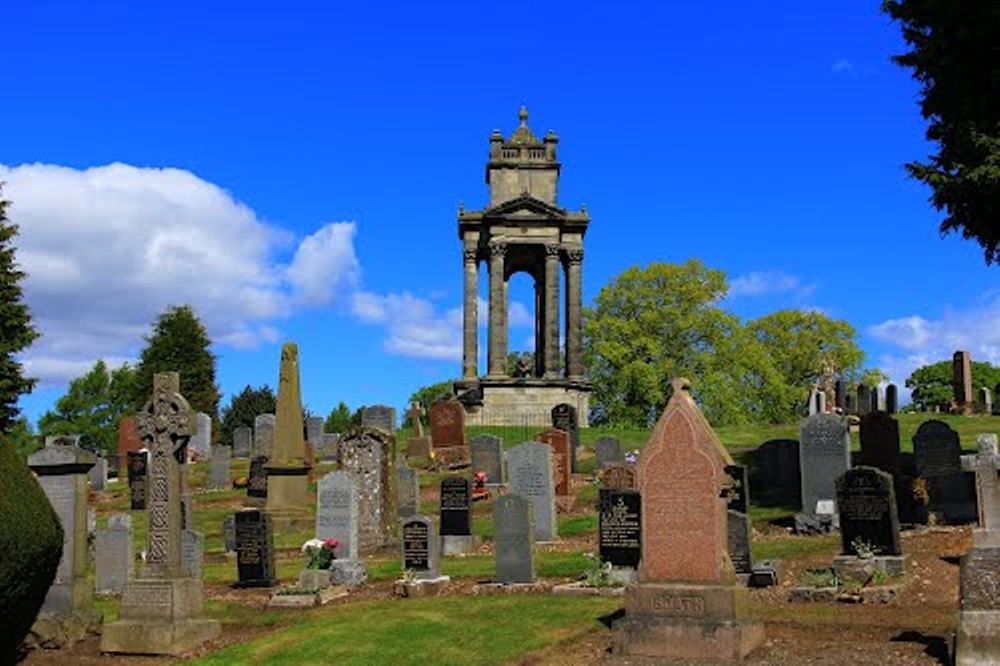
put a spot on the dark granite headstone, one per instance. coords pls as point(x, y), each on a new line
point(891, 399)
point(564, 417)
point(456, 506)
point(738, 519)
point(620, 527)
point(254, 549)
point(739, 493)
point(937, 454)
point(514, 539)
point(879, 434)
point(824, 454)
point(874, 399)
point(864, 400)
point(421, 546)
point(850, 403)
point(866, 503)
point(608, 451)
point(257, 481)
point(778, 467)
point(838, 395)
point(138, 479)
point(487, 457)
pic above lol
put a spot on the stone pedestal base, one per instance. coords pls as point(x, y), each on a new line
point(54, 631)
point(978, 638)
point(348, 572)
point(160, 616)
point(314, 579)
point(690, 622)
point(428, 587)
point(526, 402)
point(452, 544)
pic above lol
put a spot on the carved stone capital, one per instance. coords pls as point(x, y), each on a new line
point(470, 253)
point(551, 249)
point(574, 255)
point(497, 248)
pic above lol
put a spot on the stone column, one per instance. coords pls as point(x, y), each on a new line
point(470, 331)
point(498, 348)
point(574, 313)
point(551, 311)
point(539, 369)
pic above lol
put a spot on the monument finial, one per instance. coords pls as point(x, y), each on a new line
point(681, 384)
point(523, 115)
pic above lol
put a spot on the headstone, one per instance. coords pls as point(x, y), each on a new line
point(314, 430)
point(337, 512)
point(619, 477)
point(879, 435)
point(201, 442)
point(876, 403)
point(98, 475)
point(738, 519)
point(937, 455)
point(864, 399)
point(113, 554)
point(866, 503)
point(242, 439)
point(219, 473)
point(367, 453)
point(565, 418)
point(421, 547)
point(192, 552)
point(824, 454)
point(813, 400)
point(229, 533)
point(161, 610)
point(962, 380)
point(329, 444)
point(985, 464)
point(686, 604)
point(891, 399)
point(986, 400)
point(263, 435)
point(416, 413)
point(839, 395)
point(138, 479)
point(257, 478)
point(456, 507)
point(514, 539)
point(379, 416)
point(619, 534)
point(850, 403)
point(529, 469)
point(487, 457)
point(254, 549)
point(447, 419)
point(128, 440)
point(408, 492)
point(287, 468)
point(608, 451)
point(62, 474)
point(560, 442)
point(778, 466)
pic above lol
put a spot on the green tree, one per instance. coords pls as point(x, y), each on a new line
point(932, 385)
point(180, 343)
point(92, 407)
point(952, 47)
point(339, 419)
point(243, 409)
point(22, 438)
point(16, 331)
point(651, 324)
point(426, 395)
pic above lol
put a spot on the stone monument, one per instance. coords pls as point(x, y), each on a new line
point(287, 469)
point(514, 540)
point(962, 381)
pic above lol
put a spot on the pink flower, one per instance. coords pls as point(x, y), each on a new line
point(331, 543)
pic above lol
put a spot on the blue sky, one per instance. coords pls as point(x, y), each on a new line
point(294, 172)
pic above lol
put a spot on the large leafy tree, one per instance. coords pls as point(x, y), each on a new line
point(931, 385)
point(952, 47)
point(16, 331)
point(339, 419)
point(179, 343)
point(244, 408)
point(91, 407)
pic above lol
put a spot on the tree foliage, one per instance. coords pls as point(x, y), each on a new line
point(21, 437)
point(179, 343)
point(92, 407)
point(950, 57)
point(932, 385)
point(340, 419)
point(427, 395)
point(16, 331)
point(244, 408)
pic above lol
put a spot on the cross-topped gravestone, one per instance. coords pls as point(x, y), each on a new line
point(416, 412)
point(986, 464)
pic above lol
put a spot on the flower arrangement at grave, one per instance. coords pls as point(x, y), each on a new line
point(320, 553)
point(632, 456)
point(598, 572)
point(479, 490)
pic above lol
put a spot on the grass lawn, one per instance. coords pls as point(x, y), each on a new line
point(395, 631)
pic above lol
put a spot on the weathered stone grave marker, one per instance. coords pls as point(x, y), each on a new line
point(529, 466)
point(514, 540)
point(138, 479)
point(565, 418)
point(487, 457)
point(113, 554)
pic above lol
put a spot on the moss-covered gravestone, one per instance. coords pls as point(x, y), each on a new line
point(31, 540)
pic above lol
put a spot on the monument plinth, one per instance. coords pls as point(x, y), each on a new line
point(288, 469)
point(686, 604)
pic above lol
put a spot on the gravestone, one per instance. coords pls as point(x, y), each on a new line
point(138, 479)
point(192, 552)
point(242, 440)
point(128, 441)
point(229, 534)
point(379, 416)
point(560, 442)
point(201, 442)
point(314, 431)
point(62, 473)
point(456, 507)
point(565, 418)
point(814, 401)
point(219, 474)
point(777, 467)
point(337, 512)
point(937, 456)
point(864, 399)
point(287, 466)
point(986, 400)
point(487, 457)
point(824, 454)
point(879, 435)
point(985, 465)
point(416, 413)
point(962, 381)
point(408, 492)
point(329, 444)
point(113, 554)
point(738, 519)
point(257, 481)
point(447, 420)
point(839, 395)
point(619, 534)
point(619, 477)
point(421, 548)
point(876, 400)
point(609, 452)
point(686, 605)
point(419, 444)
point(891, 399)
point(514, 539)
point(263, 435)
point(367, 453)
point(98, 475)
point(866, 503)
point(254, 549)
point(160, 611)
point(529, 470)
point(850, 404)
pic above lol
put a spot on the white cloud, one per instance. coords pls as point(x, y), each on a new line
point(842, 66)
point(518, 316)
point(763, 283)
point(108, 248)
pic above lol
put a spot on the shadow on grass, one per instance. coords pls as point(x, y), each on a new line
point(934, 646)
point(609, 619)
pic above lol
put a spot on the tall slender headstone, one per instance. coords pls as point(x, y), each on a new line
point(487, 457)
point(367, 453)
point(560, 442)
point(407, 491)
point(138, 479)
point(287, 469)
point(242, 440)
point(219, 471)
point(986, 400)
point(879, 435)
point(201, 441)
point(814, 400)
point(891, 399)
point(529, 468)
point(876, 402)
point(254, 549)
point(962, 381)
point(263, 435)
point(565, 418)
point(337, 518)
point(98, 475)
point(514, 539)
point(839, 396)
point(686, 604)
point(113, 554)
point(824, 454)
point(160, 611)
point(864, 399)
